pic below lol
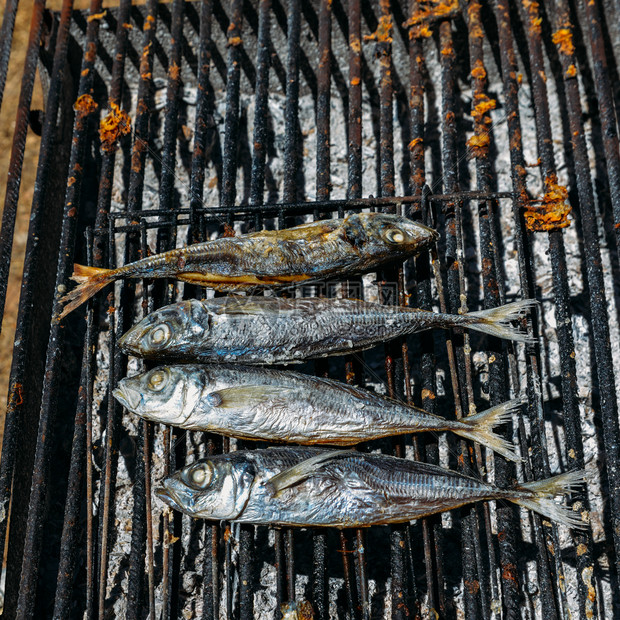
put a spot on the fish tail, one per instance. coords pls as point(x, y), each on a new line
point(497, 321)
point(543, 492)
point(483, 423)
point(90, 280)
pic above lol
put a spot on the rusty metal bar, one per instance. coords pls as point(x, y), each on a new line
point(20, 132)
point(6, 39)
point(424, 448)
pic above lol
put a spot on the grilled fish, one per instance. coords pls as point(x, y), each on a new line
point(275, 405)
point(272, 258)
point(267, 330)
point(310, 487)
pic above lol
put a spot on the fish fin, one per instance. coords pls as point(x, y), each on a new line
point(496, 321)
point(90, 280)
point(246, 395)
point(300, 472)
point(545, 490)
point(483, 424)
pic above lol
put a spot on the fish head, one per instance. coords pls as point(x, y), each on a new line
point(217, 488)
point(386, 236)
point(167, 332)
point(165, 394)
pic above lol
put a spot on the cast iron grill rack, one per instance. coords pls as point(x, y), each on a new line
point(254, 114)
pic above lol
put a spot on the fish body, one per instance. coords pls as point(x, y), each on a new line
point(274, 405)
point(311, 487)
point(266, 330)
point(272, 258)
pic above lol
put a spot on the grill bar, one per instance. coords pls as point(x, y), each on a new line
point(606, 110)
point(6, 39)
point(13, 415)
point(424, 448)
point(19, 137)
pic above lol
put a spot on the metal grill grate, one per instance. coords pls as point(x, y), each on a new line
point(254, 114)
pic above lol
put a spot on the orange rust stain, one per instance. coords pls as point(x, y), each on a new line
point(485, 105)
point(479, 143)
point(128, 26)
point(148, 23)
point(426, 393)
point(234, 41)
point(419, 178)
point(354, 44)
point(355, 81)
point(509, 573)
point(71, 181)
point(431, 10)
point(472, 586)
point(383, 33)
point(187, 132)
point(17, 396)
point(115, 125)
point(96, 16)
point(85, 72)
point(350, 376)
point(84, 105)
point(212, 182)
point(447, 51)
point(174, 71)
point(563, 38)
point(571, 71)
point(72, 212)
point(552, 212)
point(91, 52)
point(229, 231)
point(421, 31)
point(414, 143)
point(478, 71)
point(476, 32)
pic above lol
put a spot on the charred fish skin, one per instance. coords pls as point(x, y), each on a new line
point(310, 487)
point(273, 405)
point(273, 258)
point(266, 330)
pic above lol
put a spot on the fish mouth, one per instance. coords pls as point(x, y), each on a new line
point(129, 399)
point(127, 342)
point(423, 234)
point(432, 233)
point(168, 497)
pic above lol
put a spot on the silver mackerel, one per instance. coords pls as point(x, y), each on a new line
point(268, 330)
point(274, 405)
point(305, 486)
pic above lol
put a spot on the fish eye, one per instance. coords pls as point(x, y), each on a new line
point(200, 475)
point(157, 380)
point(160, 335)
point(395, 235)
